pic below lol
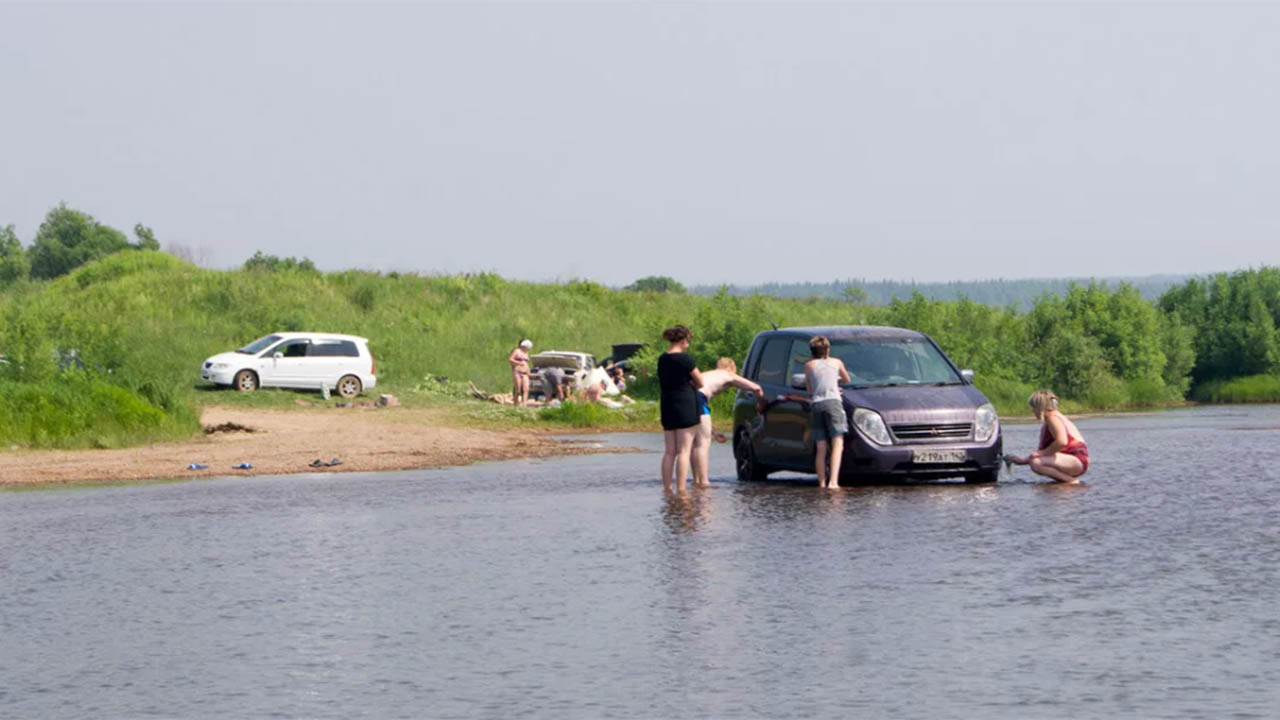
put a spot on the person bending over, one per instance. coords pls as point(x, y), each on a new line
point(827, 421)
point(1062, 455)
point(713, 381)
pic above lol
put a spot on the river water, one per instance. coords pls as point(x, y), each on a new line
point(572, 588)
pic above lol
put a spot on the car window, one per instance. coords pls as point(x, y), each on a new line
point(773, 361)
point(290, 348)
point(257, 345)
point(333, 348)
point(800, 354)
point(890, 361)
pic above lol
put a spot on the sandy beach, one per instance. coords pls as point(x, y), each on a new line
point(280, 442)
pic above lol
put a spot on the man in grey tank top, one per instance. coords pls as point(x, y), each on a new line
point(827, 421)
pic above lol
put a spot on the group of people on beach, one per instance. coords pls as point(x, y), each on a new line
point(558, 384)
point(1062, 454)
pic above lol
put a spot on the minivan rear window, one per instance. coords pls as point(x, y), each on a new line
point(339, 348)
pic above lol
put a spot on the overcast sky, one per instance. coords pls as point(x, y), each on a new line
point(713, 142)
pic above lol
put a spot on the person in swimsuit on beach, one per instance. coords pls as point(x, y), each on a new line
point(827, 421)
point(713, 381)
point(679, 380)
point(519, 359)
point(1062, 454)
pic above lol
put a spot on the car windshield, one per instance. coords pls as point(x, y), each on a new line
point(258, 345)
point(887, 362)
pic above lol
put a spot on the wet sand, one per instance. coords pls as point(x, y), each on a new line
point(287, 441)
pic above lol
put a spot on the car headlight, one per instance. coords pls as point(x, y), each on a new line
point(872, 425)
point(984, 423)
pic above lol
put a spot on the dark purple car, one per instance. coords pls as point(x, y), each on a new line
point(912, 413)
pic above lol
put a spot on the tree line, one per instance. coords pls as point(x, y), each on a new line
point(66, 240)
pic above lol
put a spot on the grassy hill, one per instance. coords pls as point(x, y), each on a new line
point(109, 354)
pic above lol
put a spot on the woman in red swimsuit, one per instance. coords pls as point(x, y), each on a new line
point(1062, 454)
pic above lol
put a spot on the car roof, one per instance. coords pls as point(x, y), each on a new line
point(319, 336)
point(850, 332)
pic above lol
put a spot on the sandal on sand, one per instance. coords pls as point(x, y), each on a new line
point(319, 463)
point(334, 462)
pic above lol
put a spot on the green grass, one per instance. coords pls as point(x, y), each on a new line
point(1248, 389)
point(143, 321)
point(74, 411)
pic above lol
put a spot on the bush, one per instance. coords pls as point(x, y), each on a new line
point(80, 412)
point(1248, 389)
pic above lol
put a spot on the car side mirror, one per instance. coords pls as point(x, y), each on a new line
point(277, 355)
point(967, 375)
point(797, 381)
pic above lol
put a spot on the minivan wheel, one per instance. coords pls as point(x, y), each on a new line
point(246, 381)
point(349, 386)
point(749, 469)
point(985, 476)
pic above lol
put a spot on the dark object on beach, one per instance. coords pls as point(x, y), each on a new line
point(623, 351)
point(227, 427)
point(321, 463)
point(242, 466)
point(197, 466)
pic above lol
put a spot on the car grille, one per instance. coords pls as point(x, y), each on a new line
point(932, 432)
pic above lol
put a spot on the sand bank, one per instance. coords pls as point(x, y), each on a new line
point(280, 442)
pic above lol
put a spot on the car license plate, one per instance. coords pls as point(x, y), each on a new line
point(934, 457)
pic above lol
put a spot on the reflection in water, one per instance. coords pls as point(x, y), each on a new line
point(686, 512)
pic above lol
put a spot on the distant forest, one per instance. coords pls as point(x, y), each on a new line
point(997, 293)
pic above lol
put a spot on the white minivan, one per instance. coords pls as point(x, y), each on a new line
point(303, 360)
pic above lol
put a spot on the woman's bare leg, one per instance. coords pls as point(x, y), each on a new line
point(837, 453)
point(820, 461)
point(1061, 467)
point(684, 448)
point(668, 458)
point(701, 455)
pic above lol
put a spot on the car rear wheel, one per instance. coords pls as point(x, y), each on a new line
point(749, 469)
point(349, 386)
point(246, 381)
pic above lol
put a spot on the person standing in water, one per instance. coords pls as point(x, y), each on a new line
point(1062, 454)
point(679, 380)
point(713, 381)
point(827, 420)
point(519, 359)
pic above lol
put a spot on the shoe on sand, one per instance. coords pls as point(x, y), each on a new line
point(242, 466)
point(319, 463)
point(197, 466)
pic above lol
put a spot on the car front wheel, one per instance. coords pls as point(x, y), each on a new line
point(349, 386)
point(749, 469)
point(246, 381)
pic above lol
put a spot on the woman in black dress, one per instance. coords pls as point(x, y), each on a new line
point(679, 379)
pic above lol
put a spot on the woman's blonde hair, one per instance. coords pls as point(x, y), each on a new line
point(1041, 401)
point(726, 363)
